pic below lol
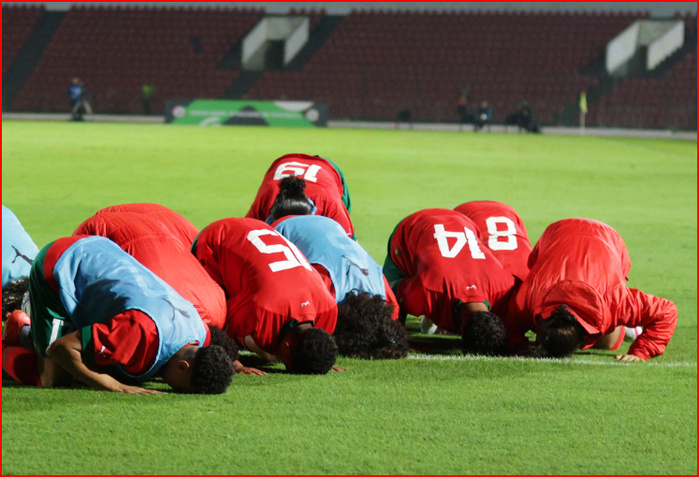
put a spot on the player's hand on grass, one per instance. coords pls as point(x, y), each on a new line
point(628, 357)
point(241, 369)
point(136, 390)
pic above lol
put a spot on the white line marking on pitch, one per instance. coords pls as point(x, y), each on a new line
point(425, 357)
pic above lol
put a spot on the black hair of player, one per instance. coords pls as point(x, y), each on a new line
point(12, 295)
point(560, 335)
point(366, 330)
point(483, 333)
point(212, 370)
point(291, 200)
point(221, 338)
point(315, 353)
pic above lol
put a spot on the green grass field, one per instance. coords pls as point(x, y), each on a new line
point(436, 413)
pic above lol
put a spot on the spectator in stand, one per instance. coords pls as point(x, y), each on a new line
point(77, 93)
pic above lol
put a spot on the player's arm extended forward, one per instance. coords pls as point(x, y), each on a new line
point(66, 352)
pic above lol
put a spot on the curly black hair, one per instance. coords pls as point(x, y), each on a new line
point(560, 335)
point(12, 295)
point(221, 338)
point(315, 353)
point(366, 330)
point(212, 370)
point(291, 200)
point(483, 333)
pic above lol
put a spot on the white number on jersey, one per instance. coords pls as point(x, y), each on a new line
point(294, 257)
point(297, 169)
point(462, 238)
point(497, 233)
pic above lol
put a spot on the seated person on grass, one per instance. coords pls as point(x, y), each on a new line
point(101, 317)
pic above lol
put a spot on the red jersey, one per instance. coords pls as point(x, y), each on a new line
point(129, 339)
point(503, 232)
point(440, 253)
point(584, 264)
point(267, 280)
point(173, 222)
point(159, 239)
point(323, 186)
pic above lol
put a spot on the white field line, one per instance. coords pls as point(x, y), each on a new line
point(650, 150)
point(612, 362)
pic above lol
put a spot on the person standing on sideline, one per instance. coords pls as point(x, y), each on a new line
point(77, 93)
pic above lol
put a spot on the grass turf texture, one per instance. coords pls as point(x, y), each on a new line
point(436, 413)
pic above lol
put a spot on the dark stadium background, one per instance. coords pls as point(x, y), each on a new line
point(365, 61)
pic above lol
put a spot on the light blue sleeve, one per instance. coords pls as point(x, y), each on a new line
point(18, 248)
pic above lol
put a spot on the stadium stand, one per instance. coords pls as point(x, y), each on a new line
point(665, 101)
point(116, 50)
point(18, 22)
point(378, 63)
point(367, 65)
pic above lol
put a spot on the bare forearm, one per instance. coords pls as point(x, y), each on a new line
point(70, 359)
point(66, 353)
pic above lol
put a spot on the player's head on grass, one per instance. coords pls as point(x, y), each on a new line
point(560, 335)
point(482, 332)
point(366, 330)
point(291, 200)
point(199, 370)
point(12, 295)
point(306, 350)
